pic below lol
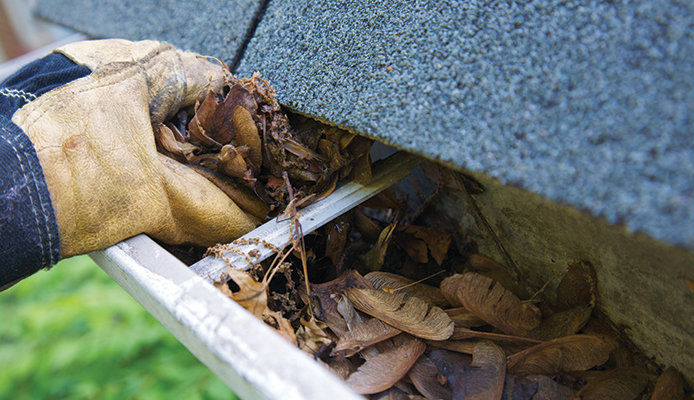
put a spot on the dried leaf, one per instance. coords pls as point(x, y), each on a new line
point(570, 353)
point(231, 162)
point(280, 324)
point(547, 389)
point(363, 335)
point(460, 333)
point(491, 302)
point(409, 314)
point(425, 377)
point(383, 371)
point(326, 304)
point(437, 240)
point(458, 346)
point(247, 134)
point(373, 259)
point(464, 318)
point(486, 374)
point(578, 287)
point(415, 248)
point(368, 228)
point(165, 138)
point(617, 384)
point(247, 201)
point(311, 335)
point(563, 323)
point(396, 283)
point(669, 386)
point(252, 295)
point(204, 122)
point(492, 269)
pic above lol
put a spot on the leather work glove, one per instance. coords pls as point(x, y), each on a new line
point(94, 141)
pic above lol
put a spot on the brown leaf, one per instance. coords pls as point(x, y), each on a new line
point(280, 324)
point(204, 123)
point(460, 333)
point(231, 162)
point(397, 283)
point(252, 295)
point(363, 335)
point(425, 377)
point(247, 135)
point(547, 389)
point(311, 335)
point(458, 346)
point(415, 248)
point(617, 384)
point(438, 240)
point(462, 317)
point(486, 374)
point(669, 386)
point(361, 170)
point(563, 323)
point(368, 228)
point(340, 366)
point(578, 287)
point(384, 370)
point(247, 201)
point(492, 269)
point(165, 138)
point(336, 238)
point(326, 304)
point(373, 259)
point(407, 313)
point(570, 353)
point(491, 302)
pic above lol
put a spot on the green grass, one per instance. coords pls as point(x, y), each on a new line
point(73, 333)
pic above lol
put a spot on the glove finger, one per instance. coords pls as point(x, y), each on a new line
point(201, 214)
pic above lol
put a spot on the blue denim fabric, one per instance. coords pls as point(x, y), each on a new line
point(28, 229)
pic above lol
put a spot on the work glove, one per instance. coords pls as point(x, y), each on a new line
point(94, 141)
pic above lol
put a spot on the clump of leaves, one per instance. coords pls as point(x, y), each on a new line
point(242, 141)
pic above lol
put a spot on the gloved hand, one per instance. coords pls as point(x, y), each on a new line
point(94, 140)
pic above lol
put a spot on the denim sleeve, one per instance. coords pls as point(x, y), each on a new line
point(28, 230)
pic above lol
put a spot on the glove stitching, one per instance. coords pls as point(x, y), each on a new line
point(18, 93)
point(31, 197)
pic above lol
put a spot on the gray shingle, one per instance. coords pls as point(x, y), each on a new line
point(586, 103)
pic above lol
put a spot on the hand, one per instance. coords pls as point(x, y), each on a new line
point(94, 140)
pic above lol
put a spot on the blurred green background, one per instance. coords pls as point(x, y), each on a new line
point(73, 333)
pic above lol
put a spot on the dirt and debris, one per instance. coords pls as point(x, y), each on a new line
point(379, 295)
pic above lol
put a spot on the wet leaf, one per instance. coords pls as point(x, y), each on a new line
point(384, 370)
point(669, 386)
point(491, 302)
point(425, 377)
point(464, 318)
point(578, 287)
point(570, 353)
point(373, 259)
point(396, 283)
point(437, 240)
point(407, 313)
point(363, 335)
point(517, 388)
point(617, 384)
point(486, 374)
point(311, 335)
point(548, 389)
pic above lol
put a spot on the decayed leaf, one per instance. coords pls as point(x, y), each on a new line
point(669, 386)
point(363, 335)
point(486, 374)
point(570, 353)
point(425, 377)
point(384, 370)
point(517, 388)
point(373, 259)
point(617, 384)
point(578, 287)
point(462, 317)
point(368, 228)
point(395, 283)
point(548, 389)
point(407, 313)
point(563, 323)
point(336, 238)
point(311, 335)
point(437, 240)
point(460, 333)
point(415, 248)
point(491, 302)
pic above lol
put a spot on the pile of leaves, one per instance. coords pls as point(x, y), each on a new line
point(393, 310)
point(242, 141)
